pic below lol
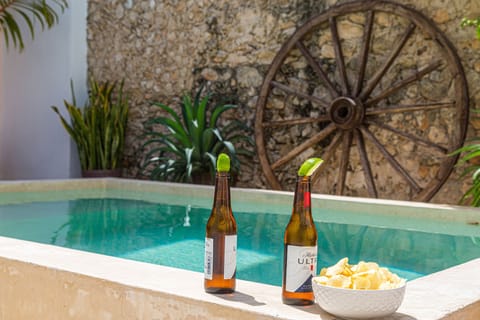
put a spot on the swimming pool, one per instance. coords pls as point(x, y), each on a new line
point(173, 235)
point(45, 281)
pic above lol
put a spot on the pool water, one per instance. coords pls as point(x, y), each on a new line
point(173, 235)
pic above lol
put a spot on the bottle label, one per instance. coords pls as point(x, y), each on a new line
point(301, 267)
point(208, 269)
point(229, 257)
point(230, 262)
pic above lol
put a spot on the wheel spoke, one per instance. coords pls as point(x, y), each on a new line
point(328, 153)
point(407, 135)
point(405, 82)
point(339, 56)
point(364, 55)
point(367, 171)
point(409, 108)
point(299, 94)
point(381, 72)
point(304, 146)
point(343, 168)
point(316, 67)
point(292, 122)
point(394, 163)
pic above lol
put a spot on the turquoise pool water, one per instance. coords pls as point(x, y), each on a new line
point(173, 235)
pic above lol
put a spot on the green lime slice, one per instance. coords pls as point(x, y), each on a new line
point(309, 167)
point(223, 163)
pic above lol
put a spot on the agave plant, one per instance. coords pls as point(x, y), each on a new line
point(187, 145)
point(27, 10)
point(98, 128)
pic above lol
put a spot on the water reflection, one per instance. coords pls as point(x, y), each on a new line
point(116, 226)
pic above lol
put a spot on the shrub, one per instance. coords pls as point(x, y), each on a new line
point(187, 144)
point(98, 128)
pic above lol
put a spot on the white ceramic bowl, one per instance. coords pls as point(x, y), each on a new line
point(358, 304)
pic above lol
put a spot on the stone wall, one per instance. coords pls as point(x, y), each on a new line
point(166, 48)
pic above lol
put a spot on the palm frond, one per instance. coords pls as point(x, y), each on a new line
point(14, 11)
point(469, 153)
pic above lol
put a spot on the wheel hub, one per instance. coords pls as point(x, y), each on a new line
point(346, 113)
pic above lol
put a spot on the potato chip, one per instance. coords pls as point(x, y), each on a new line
point(362, 283)
point(362, 276)
point(338, 268)
point(366, 266)
point(339, 281)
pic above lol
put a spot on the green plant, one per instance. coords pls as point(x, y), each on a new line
point(471, 152)
point(472, 23)
point(469, 160)
point(187, 145)
point(98, 128)
point(28, 11)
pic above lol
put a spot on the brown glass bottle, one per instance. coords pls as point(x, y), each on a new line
point(300, 249)
point(221, 240)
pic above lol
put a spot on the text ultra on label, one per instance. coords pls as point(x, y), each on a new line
point(301, 267)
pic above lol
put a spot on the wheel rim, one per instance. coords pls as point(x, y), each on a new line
point(361, 103)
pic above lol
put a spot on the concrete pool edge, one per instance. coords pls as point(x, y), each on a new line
point(47, 282)
point(205, 193)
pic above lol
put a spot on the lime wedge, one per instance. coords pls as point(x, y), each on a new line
point(309, 167)
point(223, 163)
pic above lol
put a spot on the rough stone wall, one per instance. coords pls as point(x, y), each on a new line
point(165, 48)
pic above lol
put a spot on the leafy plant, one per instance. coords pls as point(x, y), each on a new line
point(472, 23)
point(98, 128)
point(472, 166)
point(188, 144)
point(40, 10)
point(471, 152)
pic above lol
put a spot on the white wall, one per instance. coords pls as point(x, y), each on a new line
point(33, 144)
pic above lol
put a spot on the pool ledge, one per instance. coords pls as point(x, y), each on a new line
point(47, 282)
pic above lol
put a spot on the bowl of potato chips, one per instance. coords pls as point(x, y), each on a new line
point(361, 291)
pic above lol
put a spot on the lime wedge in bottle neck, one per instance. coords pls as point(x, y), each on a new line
point(309, 167)
point(223, 163)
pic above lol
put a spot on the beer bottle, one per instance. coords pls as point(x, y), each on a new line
point(300, 242)
point(221, 235)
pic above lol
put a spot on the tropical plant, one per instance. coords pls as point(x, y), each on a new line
point(98, 128)
point(471, 152)
point(28, 11)
point(187, 145)
point(469, 160)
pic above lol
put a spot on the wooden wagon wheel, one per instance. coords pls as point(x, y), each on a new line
point(374, 88)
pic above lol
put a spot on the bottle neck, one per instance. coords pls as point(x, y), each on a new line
point(302, 199)
point(222, 190)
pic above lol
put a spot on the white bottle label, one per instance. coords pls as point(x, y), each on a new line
point(301, 266)
point(230, 262)
point(208, 268)
point(230, 257)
